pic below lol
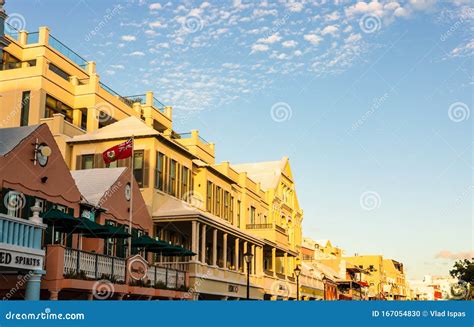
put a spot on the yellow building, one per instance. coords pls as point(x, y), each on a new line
point(386, 277)
point(218, 210)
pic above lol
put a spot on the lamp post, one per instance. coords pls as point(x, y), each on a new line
point(297, 274)
point(248, 259)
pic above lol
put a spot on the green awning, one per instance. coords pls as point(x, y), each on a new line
point(61, 221)
point(148, 243)
point(109, 231)
point(89, 228)
point(178, 251)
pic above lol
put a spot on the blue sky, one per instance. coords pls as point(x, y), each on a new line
point(371, 101)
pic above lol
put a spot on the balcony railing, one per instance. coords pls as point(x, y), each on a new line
point(259, 226)
point(141, 98)
point(20, 232)
point(93, 265)
point(33, 37)
point(66, 51)
point(12, 31)
point(87, 265)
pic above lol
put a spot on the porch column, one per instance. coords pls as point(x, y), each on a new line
point(245, 251)
point(285, 264)
point(274, 261)
point(194, 239)
point(236, 250)
point(214, 247)
point(53, 295)
point(203, 244)
point(224, 250)
point(33, 286)
point(254, 260)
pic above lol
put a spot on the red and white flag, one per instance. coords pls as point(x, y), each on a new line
point(121, 151)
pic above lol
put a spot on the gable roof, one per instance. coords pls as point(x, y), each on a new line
point(11, 137)
point(266, 173)
point(94, 183)
point(121, 129)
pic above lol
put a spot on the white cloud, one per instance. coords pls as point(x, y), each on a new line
point(271, 39)
point(110, 72)
point(289, 44)
point(330, 29)
point(259, 48)
point(313, 38)
point(401, 12)
point(155, 24)
point(128, 38)
point(117, 66)
point(298, 53)
point(155, 6)
point(136, 54)
point(354, 38)
point(230, 65)
point(295, 6)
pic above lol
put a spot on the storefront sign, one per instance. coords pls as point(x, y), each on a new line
point(20, 260)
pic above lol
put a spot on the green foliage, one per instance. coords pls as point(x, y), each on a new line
point(463, 270)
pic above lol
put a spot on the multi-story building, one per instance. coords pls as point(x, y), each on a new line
point(385, 278)
point(319, 249)
point(218, 210)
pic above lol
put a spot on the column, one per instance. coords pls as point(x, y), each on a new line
point(236, 250)
point(214, 247)
point(33, 286)
point(285, 264)
point(254, 260)
point(203, 244)
point(274, 261)
point(224, 250)
point(53, 295)
point(245, 262)
point(194, 239)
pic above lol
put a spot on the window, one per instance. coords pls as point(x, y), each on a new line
point(87, 161)
point(25, 108)
point(239, 209)
point(252, 215)
point(226, 205)
point(105, 119)
point(8, 61)
point(138, 166)
point(83, 118)
point(209, 197)
point(172, 178)
point(159, 174)
point(109, 243)
point(231, 213)
point(185, 183)
point(218, 201)
point(14, 202)
point(58, 71)
point(54, 106)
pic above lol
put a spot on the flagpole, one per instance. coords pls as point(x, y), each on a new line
point(131, 199)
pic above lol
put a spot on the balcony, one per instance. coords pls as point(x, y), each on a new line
point(69, 268)
point(197, 145)
point(22, 238)
point(259, 226)
point(142, 99)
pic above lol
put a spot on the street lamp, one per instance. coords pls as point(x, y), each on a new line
point(248, 259)
point(297, 274)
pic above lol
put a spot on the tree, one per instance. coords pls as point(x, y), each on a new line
point(463, 270)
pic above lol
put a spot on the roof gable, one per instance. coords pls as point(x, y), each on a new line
point(121, 129)
point(95, 183)
point(11, 137)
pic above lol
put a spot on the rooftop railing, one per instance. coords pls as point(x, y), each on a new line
point(33, 37)
point(188, 135)
point(141, 98)
point(12, 32)
point(66, 51)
